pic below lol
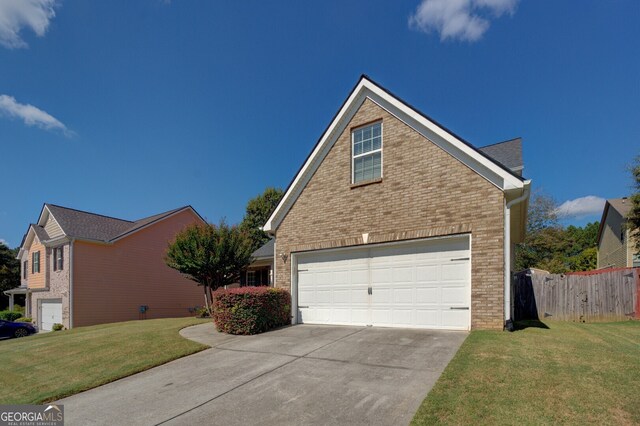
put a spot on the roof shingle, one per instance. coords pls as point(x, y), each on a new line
point(92, 226)
point(507, 153)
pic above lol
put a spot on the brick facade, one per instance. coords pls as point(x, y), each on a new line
point(57, 286)
point(424, 192)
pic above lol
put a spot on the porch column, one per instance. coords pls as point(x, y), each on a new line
point(11, 301)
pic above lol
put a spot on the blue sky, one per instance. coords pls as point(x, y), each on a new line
point(132, 108)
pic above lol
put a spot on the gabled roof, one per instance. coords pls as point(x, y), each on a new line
point(508, 153)
point(91, 226)
point(265, 251)
point(621, 205)
point(86, 225)
point(40, 232)
point(494, 171)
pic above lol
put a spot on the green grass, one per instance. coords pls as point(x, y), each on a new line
point(567, 373)
point(49, 366)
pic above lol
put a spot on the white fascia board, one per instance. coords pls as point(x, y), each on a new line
point(510, 181)
point(433, 132)
point(270, 225)
point(42, 218)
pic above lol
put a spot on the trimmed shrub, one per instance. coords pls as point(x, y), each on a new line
point(251, 310)
point(10, 315)
point(57, 327)
point(24, 319)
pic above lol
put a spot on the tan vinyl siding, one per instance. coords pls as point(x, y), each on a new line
point(52, 228)
point(110, 282)
point(612, 252)
point(424, 191)
point(37, 280)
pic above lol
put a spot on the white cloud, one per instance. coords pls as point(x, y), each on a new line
point(31, 115)
point(581, 207)
point(3, 241)
point(18, 14)
point(465, 20)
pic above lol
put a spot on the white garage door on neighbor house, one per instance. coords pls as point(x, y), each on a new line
point(423, 284)
point(50, 313)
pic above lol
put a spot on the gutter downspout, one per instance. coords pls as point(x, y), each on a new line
point(508, 322)
point(71, 283)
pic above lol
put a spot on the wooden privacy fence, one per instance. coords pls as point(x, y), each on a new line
point(608, 295)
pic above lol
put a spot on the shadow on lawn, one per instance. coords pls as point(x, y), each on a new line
point(524, 324)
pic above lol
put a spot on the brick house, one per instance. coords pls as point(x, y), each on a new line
point(395, 221)
point(80, 268)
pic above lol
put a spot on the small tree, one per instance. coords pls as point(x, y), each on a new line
point(633, 219)
point(258, 211)
point(212, 256)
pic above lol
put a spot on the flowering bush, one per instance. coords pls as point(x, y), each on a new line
point(251, 310)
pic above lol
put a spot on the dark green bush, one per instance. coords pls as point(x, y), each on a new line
point(10, 315)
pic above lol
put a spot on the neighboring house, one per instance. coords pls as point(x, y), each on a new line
point(395, 221)
point(616, 245)
point(259, 273)
point(81, 268)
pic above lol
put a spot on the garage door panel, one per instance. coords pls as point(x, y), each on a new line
point(427, 318)
point(360, 276)
point(403, 274)
point(428, 295)
point(360, 316)
point(454, 272)
point(402, 317)
point(455, 295)
point(455, 318)
point(381, 316)
point(403, 296)
point(427, 273)
point(412, 285)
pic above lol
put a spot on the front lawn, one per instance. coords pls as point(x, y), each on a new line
point(566, 373)
point(49, 366)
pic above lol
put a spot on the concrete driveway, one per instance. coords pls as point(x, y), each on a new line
point(302, 374)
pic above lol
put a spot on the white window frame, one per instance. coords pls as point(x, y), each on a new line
point(353, 156)
point(56, 251)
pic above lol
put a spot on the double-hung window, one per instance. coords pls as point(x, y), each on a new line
point(366, 153)
point(58, 259)
point(35, 262)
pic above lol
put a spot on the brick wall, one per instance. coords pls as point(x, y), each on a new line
point(424, 192)
point(57, 285)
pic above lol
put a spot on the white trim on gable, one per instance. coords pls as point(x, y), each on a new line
point(366, 89)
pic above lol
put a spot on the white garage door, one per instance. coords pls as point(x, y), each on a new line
point(424, 284)
point(50, 313)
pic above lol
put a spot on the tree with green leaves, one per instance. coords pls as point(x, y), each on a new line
point(9, 269)
point(258, 211)
point(633, 219)
point(211, 255)
point(551, 247)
